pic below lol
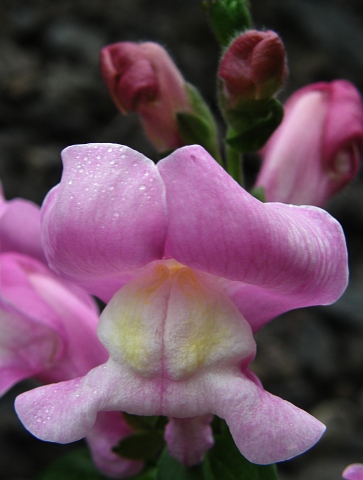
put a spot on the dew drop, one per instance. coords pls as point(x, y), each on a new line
point(142, 187)
point(70, 182)
point(116, 214)
point(109, 150)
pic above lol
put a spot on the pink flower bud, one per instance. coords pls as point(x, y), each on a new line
point(143, 78)
point(315, 151)
point(253, 67)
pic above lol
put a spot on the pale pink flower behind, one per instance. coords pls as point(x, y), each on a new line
point(316, 150)
point(48, 328)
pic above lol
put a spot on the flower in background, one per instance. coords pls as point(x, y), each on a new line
point(316, 150)
point(142, 78)
point(253, 67)
point(190, 265)
point(48, 327)
point(353, 472)
point(20, 227)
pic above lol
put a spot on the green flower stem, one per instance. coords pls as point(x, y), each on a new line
point(234, 160)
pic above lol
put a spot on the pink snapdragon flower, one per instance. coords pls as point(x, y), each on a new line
point(316, 150)
point(48, 327)
point(190, 265)
point(354, 472)
point(141, 77)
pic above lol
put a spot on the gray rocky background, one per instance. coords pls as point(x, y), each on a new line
point(52, 96)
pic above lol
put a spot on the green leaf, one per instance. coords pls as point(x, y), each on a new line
point(192, 128)
point(252, 124)
point(149, 474)
point(171, 469)
point(198, 126)
point(138, 422)
point(224, 461)
point(259, 193)
point(77, 465)
point(228, 18)
point(141, 445)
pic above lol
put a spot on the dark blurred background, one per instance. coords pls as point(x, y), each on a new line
point(52, 96)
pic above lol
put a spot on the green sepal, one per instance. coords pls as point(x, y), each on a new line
point(198, 126)
point(259, 193)
point(252, 123)
point(149, 474)
point(171, 469)
point(142, 445)
point(137, 422)
point(77, 465)
point(228, 18)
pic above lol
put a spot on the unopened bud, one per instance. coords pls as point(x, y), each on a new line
point(253, 67)
point(143, 78)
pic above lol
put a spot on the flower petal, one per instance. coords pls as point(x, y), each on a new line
point(108, 215)
point(265, 428)
point(344, 123)
point(217, 227)
point(189, 439)
point(109, 429)
point(58, 321)
point(353, 472)
point(20, 228)
point(26, 347)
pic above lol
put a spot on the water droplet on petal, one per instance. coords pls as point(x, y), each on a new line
point(142, 187)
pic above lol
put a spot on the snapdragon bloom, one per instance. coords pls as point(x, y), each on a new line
point(316, 150)
point(353, 472)
point(190, 265)
point(48, 327)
